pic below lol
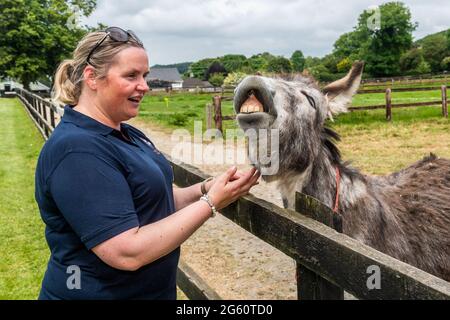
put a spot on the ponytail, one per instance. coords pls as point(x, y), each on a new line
point(65, 89)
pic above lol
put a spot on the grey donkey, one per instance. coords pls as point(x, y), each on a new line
point(405, 214)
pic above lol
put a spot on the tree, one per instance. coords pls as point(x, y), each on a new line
point(233, 62)
point(349, 45)
point(330, 61)
point(410, 61)
point(38, 35)
point(312, 62)
point(423, 68)
point(298, 61)
point(445, 64)
point(384, 45)
point(198, 69)
point(215, 68)
point(279, 65)
point(321, 73)
point(344, 65)
point(435, 50)
point(216, 79)
point(447, 34)
point(260, 61)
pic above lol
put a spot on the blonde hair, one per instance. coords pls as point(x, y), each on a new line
point(68, 80)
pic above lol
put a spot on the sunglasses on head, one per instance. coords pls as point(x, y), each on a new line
point(116, 34)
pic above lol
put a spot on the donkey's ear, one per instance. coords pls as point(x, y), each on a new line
point(340, 92)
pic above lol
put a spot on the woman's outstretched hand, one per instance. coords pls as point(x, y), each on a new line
point(232, 185)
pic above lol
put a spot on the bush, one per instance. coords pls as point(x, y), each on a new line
point(445, 64)
point(216, 79)
point(344, 65)
point(234, 78)
point(178, 119)
point(423, 68)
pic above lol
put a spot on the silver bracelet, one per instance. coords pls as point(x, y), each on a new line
point(205, 198)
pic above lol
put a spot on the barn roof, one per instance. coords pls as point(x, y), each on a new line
point(194, 83)
point(164, 74)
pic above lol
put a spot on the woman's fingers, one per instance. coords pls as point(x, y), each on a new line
point(252, 181)
point(237, 175)
point(225, 177)
point(244, 178)
point(246, 181)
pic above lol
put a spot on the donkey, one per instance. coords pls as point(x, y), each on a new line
point(405, 214)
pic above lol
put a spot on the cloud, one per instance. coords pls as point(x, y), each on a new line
point(176, 31)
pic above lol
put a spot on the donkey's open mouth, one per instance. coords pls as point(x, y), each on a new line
point(253, 103)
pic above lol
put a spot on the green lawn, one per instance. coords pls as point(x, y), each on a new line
point(368, 99)
point(180, 110)
point(23, 249)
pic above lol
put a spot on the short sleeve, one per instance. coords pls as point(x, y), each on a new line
point(94, 198)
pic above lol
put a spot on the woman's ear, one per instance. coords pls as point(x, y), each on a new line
point(90, 78)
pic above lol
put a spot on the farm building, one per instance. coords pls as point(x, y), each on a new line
point(164, 78)
point(194, 84)
point(8, 85)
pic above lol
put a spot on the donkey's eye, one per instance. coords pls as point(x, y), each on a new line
point(311, 100)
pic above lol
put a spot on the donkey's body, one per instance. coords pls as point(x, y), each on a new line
point(405, 214)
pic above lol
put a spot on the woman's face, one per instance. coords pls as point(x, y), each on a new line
point(124, 87)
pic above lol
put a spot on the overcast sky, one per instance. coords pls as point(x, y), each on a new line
point(188, 30)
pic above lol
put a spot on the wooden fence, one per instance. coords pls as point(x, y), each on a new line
point(213, 112)
point(445, 77)
point(328, 262)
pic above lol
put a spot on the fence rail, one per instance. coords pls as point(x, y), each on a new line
point(328, 261)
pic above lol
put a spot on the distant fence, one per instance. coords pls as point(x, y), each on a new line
point(328, 262)
point(424, 78)
point(213, 112)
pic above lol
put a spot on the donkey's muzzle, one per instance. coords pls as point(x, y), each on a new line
point(252, 95)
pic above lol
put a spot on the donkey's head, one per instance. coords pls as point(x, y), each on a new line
point(298, 109)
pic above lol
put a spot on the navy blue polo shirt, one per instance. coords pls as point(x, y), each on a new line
point(92, 183)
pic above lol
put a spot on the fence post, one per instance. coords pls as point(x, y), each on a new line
point(208, 113)
point(44, 114)
point(444, 101)
point(310, 285)
point(217, 100)
point(388, 104)
point(52, 117)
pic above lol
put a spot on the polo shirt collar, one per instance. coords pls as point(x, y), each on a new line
point(85, 122)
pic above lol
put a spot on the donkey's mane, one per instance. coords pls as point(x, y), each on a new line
point(329, 139)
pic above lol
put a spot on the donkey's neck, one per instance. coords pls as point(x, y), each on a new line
point(320, 181)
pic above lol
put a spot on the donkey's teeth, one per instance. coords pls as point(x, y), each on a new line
point(251, 105)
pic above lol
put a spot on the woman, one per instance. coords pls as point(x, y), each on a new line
point(114, 223)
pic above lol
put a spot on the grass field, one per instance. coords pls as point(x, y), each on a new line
point(379, 147)
point(397, 97)
point(182, 109)
point(23, 249)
